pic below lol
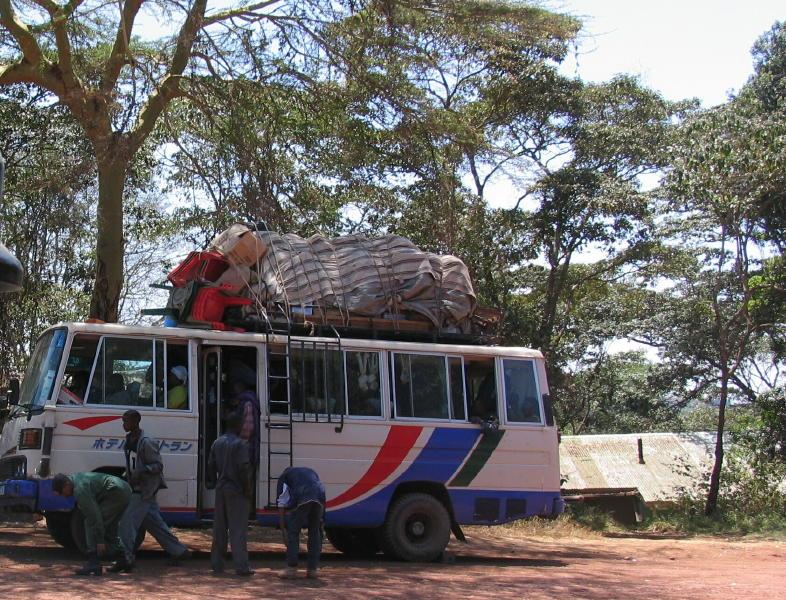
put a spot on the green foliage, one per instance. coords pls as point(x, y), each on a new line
point(44, 220)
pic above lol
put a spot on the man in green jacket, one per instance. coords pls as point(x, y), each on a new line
point(102, 499)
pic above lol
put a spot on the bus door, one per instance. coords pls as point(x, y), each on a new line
point(224, 371)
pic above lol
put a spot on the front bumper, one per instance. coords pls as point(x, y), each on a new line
point(30, 495)
point(18, 495)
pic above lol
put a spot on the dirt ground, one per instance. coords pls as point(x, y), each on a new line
point(497, 563)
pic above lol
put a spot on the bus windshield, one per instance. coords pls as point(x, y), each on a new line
point(42, 369)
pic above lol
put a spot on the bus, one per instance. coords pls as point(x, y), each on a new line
point(411, 439)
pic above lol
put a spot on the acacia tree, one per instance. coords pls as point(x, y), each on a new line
point(117, 86)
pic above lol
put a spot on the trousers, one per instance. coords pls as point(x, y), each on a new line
point(308, 515)
point(231, 515)
point(147, 513)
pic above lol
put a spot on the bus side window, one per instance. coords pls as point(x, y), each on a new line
point(121, 369)
point(317, 380)
point(364, 397)
point(421, 386)
point(177, 375)
point(521, 391)
point(481, 382)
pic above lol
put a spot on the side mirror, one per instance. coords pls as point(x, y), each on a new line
point(548, 408)
point(13, 392)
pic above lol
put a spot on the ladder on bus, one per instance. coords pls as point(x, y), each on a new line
point(280, 400)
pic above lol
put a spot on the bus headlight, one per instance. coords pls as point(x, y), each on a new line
point(30, 439)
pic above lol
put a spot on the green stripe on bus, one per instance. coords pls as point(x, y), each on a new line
point(479, 457)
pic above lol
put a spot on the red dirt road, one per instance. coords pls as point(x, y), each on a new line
point(497, 563)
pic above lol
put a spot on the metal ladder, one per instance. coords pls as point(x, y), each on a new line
point(279, 377)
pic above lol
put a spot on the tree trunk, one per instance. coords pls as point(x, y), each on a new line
point(712, 494)
point(110, 244)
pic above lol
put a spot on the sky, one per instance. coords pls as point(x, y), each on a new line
point(682, 48)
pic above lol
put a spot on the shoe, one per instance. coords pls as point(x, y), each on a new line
point(174, 561)
point(288, 573)
point(312, 574)
point(121, 565)
point(246, 573)
point(89, 570)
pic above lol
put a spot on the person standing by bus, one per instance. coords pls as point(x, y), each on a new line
point(228, 466)
point(145, 474)
point(301, 492)
point(101, 498)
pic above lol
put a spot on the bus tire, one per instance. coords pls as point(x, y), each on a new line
point(354, 542)
point(417, 528)
point(59, 526)
point(77, 530)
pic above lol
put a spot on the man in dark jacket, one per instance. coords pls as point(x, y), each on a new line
point(102, 499)
point(145, 473)
point(229, 467)
point(301, 492)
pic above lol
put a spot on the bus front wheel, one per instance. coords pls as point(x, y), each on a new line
point(354, 542)
point(68, 530)
point(59, 526)
point(417, 528)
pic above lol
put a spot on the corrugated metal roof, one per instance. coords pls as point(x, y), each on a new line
point(673, 462)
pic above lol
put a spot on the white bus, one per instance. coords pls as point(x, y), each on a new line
point(412, 440)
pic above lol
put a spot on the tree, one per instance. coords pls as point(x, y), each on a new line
point(44, 218)
point(728, 159)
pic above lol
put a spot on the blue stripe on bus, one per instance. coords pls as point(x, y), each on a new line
point(443, 454)
point(487, 507)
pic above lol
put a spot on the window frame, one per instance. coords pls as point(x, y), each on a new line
point(155, 407)
point(501, 375)
point(393, 400)
point(382, 389)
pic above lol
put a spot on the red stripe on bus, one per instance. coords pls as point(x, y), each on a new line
point(88, 422)
point(397, 445)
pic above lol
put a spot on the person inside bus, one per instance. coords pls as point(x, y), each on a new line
point(244, 401)
point(73, 392)
point(115, 392)
point(177, 393)
point(483, 410)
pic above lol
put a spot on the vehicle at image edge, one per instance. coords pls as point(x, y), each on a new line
point(402, 434)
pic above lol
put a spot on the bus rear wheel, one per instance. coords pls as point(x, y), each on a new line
point(354, 542)
point(417, 528)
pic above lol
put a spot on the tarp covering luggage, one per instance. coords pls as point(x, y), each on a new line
point(337, 280)
point(382, 277)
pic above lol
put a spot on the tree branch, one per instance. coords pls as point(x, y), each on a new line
point(120, 48)
point(242, 11)
point(27, 42)
point(170, 86)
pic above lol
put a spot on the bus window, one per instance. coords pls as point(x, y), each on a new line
point(521, 391)
point(73, 387)
point(420, 384)
point(122, 367)
point(481, 385)
point(317, 377)
point(364, 396)
point(457, 401)
point(177, 375)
